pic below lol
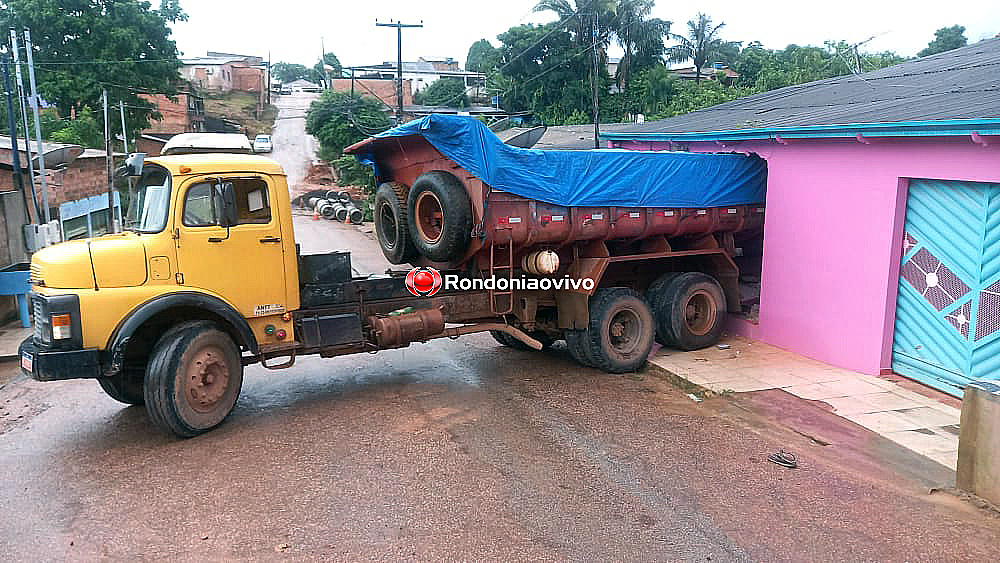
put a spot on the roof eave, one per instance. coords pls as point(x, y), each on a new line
point(935, 128)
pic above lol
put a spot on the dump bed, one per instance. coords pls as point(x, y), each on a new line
point(601, 177)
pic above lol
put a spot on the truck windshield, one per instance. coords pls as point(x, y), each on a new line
point(150, 201)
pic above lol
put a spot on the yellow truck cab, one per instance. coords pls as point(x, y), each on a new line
point(182, 272)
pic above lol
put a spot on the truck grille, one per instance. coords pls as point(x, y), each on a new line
point(35, 273)
point(38, 316)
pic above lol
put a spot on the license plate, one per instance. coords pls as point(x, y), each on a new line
point(26, 361)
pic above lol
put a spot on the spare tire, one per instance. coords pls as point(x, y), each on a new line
point(440, 216)
point(391, 227)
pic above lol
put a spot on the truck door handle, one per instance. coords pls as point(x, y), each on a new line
point(271, 239)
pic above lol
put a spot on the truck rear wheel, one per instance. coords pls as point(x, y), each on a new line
point(193, 379)
point(654, 295)
point(391, 225)
point(511, 342)
point(692, 311)
point(577, 346)
point(440, 216)
point(620, 332)
point(125, 387)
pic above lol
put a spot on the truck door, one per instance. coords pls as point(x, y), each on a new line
point(243, 264)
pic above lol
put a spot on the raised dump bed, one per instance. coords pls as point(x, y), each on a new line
point(450, 191)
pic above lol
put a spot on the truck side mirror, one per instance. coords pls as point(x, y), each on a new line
point(133, 164)
point(225, 203)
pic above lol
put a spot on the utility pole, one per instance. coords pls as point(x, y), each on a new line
point(269, 77)
point(121, 107)
point(322, 64)
point(399, 62)
point(594, 81)
point(352, 82)
point(22, 99)
point(15, 151)
point(109, 162)
point(857, 60)
point(38, 129)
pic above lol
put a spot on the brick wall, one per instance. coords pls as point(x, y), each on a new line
point(385, 89)
point(149, 146)
point(175, 114)
point(247, 79)
point(83, 177)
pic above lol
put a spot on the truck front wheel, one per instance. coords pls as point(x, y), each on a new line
point(193, 379)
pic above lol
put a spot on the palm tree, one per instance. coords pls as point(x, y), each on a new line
point(701, 44)
point(581, 12)
point(640, 38)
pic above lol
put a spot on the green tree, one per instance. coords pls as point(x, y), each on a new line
point(640, 37)
point(701, 44)
point(289, 72)
point(318, 74)
point(544, 72)
point(85, 130)
point(84, 45)
point(447, 91)
point(338, 119)
point(483, 57)
point(945, 39)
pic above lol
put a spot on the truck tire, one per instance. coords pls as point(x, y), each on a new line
point(511, 342)
point(692, 311)
point(620, 331)
point(576, 345)
point(391, 225)
point(125, 387)
point(440, 216)
point(654, 296)
point(193, 379)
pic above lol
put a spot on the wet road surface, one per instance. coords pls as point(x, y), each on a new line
point(292, 147)
point(458, 451)
point(464, 450)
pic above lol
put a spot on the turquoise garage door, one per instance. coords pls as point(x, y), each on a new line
point(948, 309)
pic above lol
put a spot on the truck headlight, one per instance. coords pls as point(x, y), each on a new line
point(62, 326)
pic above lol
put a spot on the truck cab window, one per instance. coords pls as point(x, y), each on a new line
point(198, 209)
point(252, 202)
point(150, 202)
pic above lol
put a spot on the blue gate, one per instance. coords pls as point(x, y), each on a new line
point(948, 309)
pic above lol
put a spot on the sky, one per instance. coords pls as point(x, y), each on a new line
point(293, 30)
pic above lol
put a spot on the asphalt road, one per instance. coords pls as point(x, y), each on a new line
point(464, 451)
point(292, 147)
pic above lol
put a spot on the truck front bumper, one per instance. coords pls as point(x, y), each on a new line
point(53, 365)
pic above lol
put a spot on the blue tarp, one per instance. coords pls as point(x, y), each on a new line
point(600, 177)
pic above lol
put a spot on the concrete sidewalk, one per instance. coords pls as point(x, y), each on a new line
point(914, 416)
point(11, 336)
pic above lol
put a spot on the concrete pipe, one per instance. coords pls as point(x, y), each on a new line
point(339, 211)
point(355, 215)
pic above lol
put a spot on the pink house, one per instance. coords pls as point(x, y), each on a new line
point(881, 248)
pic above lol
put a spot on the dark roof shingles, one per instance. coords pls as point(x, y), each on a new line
point(960, 84)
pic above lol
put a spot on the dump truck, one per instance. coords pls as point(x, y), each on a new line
point(207, 279)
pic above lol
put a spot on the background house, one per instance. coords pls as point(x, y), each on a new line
point(225, 72)
point(881, 247)
point(424, 72)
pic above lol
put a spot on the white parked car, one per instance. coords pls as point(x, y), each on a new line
point(262, 143)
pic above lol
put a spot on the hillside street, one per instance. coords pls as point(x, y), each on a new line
point(463, 450)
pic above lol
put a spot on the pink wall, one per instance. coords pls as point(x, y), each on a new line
point(832, 236)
